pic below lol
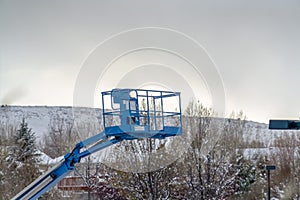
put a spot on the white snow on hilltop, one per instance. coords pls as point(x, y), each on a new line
point(39, 118)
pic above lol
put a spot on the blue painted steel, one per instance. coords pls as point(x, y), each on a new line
point(132, 114)
point(100, 136)
point(57, 173)
point(139, 113)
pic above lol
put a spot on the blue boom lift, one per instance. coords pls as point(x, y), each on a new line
point(128, 114)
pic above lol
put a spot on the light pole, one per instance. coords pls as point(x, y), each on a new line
point(280, 125)
point(269, 168)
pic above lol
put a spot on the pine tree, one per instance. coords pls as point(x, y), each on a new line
point(24, 141)
point(22, 160)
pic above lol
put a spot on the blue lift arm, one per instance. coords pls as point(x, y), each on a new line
point(66, 165)
point(128, 112)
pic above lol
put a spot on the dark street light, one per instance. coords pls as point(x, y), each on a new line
point(284, 124)
point(269, 168)
point(280, 125)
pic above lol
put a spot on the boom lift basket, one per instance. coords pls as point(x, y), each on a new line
point(127, 114)
point(139, 113)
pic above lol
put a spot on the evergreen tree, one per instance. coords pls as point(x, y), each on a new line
point(24, 140)
point(22, 160)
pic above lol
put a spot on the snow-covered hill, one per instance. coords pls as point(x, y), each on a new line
point(39, 118)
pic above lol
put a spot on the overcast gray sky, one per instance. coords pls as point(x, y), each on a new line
point(254, 44)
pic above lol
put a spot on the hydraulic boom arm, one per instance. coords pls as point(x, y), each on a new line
point(137, 113)
point(66, 165)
